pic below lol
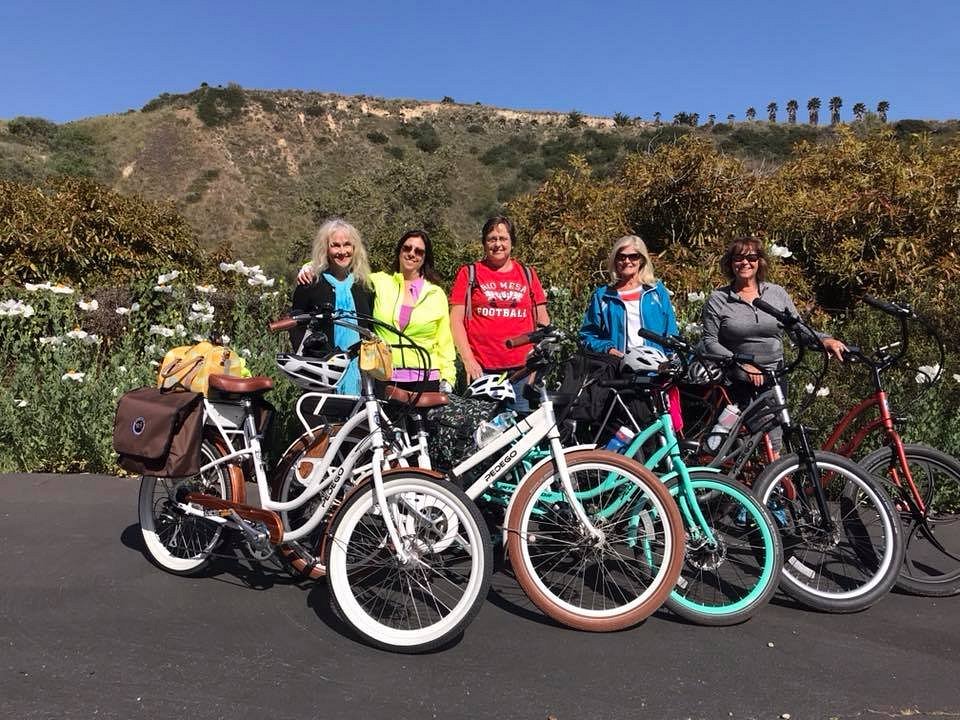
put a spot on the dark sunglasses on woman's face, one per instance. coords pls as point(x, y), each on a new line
point(632, 257)
point(418, 251)
point(749, 257)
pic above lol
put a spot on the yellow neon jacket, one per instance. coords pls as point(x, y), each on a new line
point(429, 325)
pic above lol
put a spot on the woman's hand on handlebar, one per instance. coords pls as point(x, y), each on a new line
point(306, 275)
point(615, 352)
point(753, 373)
point(834, 347)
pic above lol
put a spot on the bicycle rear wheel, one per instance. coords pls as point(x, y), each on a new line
point(851, 566)
point(931, 564)
point(726, 581)
point(175, 541)
point(585, 583)
point(422, 604)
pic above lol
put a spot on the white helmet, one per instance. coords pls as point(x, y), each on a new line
point(642, 359)
point(316, 374)
point(703, 372)
point(491, 387)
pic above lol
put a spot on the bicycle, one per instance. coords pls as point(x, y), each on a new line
point(734, 554)
point(925, 482)
point(594, 539)
point(408, 557)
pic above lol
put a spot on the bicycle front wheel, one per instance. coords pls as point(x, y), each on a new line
point(598, 584)
point(931, 564)
point(846, 561)
point(727, 578)
point(422, 603)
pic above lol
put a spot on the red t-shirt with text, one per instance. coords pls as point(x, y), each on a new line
point(501, 309)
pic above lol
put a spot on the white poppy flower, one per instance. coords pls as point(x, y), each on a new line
point(236, 266)
point(266, 295)
point(13, 308)
point(154, 363)
point(202, 307)
point(823, 392)
point(225, 339)
point(204, 318)
point(809, 388)
point(89, 306)
point(198, 337)
point(122, 368)
point(205, 289)
point(260, 279)
point(163, 288)
point(37, 287)
point(20, 403)
point(52, 340)
point(164, 278)
point(161, 330)
point(73, 375)
point(956, 377)
point(91, 339)
point(696, 296)
point(245, 352)
point(927, 373)
point(693, 329)
point(151, 349)
point(61, 290)
point(122, 311)
point(134, 307)
point(77, 334)
point(779, 251)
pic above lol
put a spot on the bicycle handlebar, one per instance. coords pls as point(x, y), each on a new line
point(782, 316)
point(287, 323)
point(888, 307)
point(531, 338)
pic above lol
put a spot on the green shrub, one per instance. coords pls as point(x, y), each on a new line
point(377, 138)
point(314, 111)
point(32, 128)
point(475, 129)
point(217, 106)
point(395, 151)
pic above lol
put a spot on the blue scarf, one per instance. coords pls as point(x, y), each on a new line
point(343, 337)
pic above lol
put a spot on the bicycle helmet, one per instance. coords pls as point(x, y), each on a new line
point(491, 387)
point(642, 359)
point(703, 372)
point(316, 374)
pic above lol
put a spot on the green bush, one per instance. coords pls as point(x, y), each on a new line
point(217, 106)
point(32, 128)
point(377, 138)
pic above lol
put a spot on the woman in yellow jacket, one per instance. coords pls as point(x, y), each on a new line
point(410, 299)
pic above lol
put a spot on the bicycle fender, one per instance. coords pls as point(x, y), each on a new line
point(541, 463)
point(673, 474)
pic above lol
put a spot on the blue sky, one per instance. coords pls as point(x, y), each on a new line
point(66, 60)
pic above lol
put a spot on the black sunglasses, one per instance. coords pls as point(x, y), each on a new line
point(749, 257)
point(418, 251)
point(632, 257)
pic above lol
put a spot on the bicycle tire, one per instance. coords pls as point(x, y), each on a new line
point(544, 536)
point(857, 564)
point(926, 570)
point(178, 543)
point(452, 552)
point(728, 582)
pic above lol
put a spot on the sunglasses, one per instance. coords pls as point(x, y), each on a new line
point(632, 257)
point(749, 257)
point(418, 251)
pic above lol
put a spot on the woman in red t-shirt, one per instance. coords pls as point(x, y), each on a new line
point(505, 300)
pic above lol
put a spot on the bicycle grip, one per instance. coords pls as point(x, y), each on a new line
point(782, 315)
point(884, 306)
point(667, 341)
point(518, 340)
point(282, 324)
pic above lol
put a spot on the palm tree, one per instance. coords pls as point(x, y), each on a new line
point(835, 104)
point(694, 119)
point(656, 118)
point(792, 106)
point(731, 118)
point(621, 119)
point(882, 107)
point(711, 120)
point(772, 112)
point(751, 113)
point(859, 110)
point(813, 108)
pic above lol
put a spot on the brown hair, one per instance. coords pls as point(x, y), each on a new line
point(426, 270)
point(740, 246)
point(491, 223)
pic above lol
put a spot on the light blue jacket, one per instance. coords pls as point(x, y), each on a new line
point(604, 323)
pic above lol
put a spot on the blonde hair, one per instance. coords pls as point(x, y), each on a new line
point(359, 264)
point(645, 274)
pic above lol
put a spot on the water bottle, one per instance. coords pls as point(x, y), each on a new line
point(621, 439)
point(489, 430)
point(727, 419)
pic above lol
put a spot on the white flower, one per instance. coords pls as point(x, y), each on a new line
point(154, 363)
point(163, 288)
point(134, 307)
point(12, 308)
point(151, 349)
point(198, 337)
point(77, 334)
point(956, 377)
point(116, 390)
point(224, 339)
point(122, 368)
point(237, 266)
point(161, 330)
point(73, 375)
point(202, 318)
point(266, 295)
point(809, 388)
point(693, 329)
point(245, 352)
point(202, 307)
point(779, 251)
point(20, 403)
point(32, 287)
point(205, 289)
point(91, 339)
point(61, 290)
point(927, 373)
point(260, 279)
point(127, 311)
point(180, 330)
point(164, 278)
point(823, 392)
point(88, 306)
point(696, 296)
point(53, 340)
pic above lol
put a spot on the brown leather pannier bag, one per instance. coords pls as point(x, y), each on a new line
point(159, 433)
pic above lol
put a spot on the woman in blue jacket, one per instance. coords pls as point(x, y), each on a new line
point(634, 299)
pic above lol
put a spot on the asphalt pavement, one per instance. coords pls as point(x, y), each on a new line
point(90, 629)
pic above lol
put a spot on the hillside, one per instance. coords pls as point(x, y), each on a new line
point(253, 169)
